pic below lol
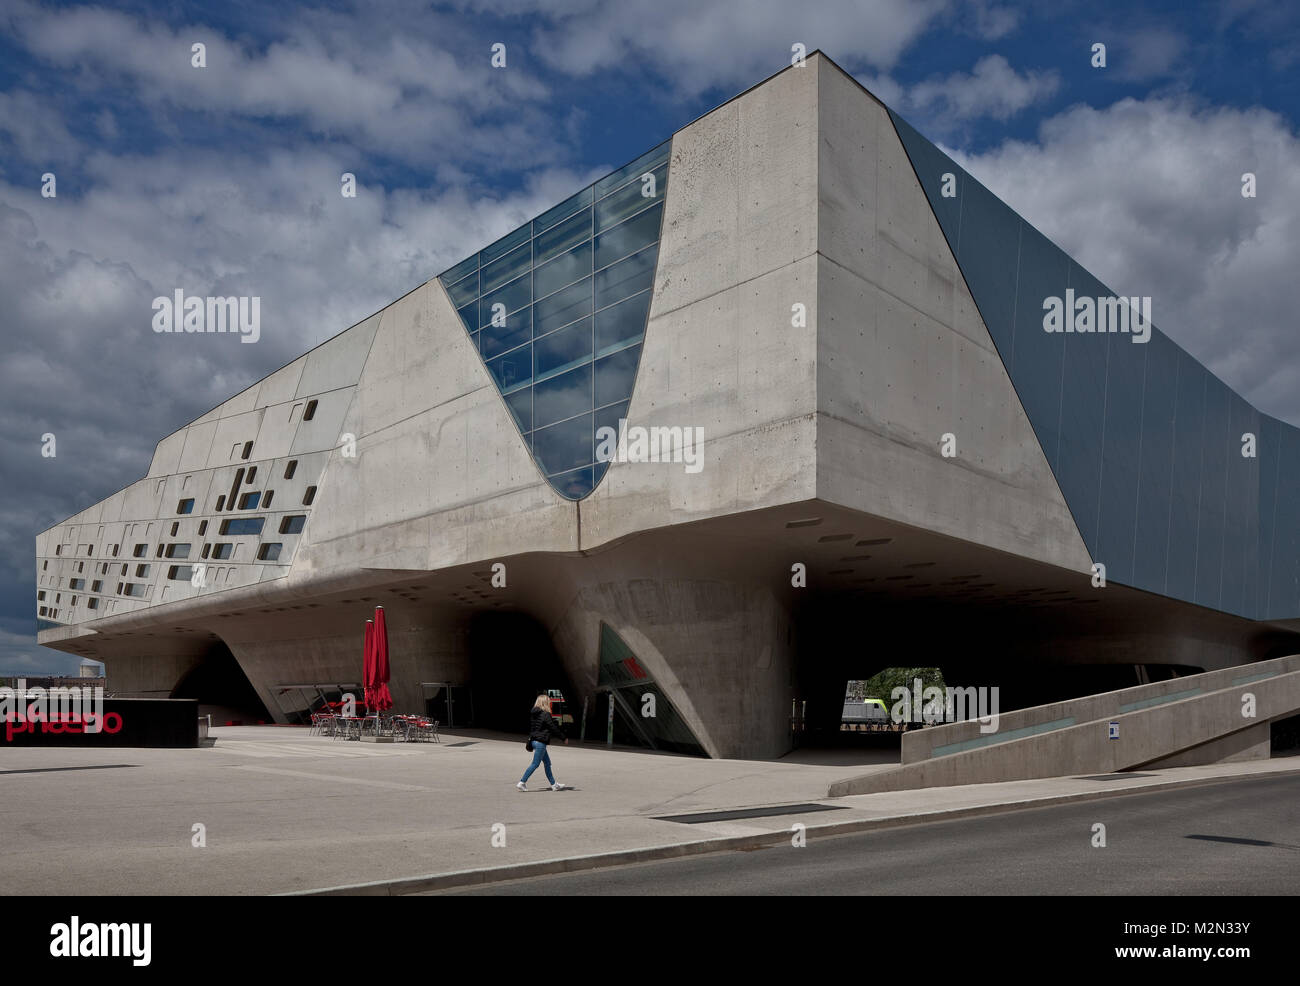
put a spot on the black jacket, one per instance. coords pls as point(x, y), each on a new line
point(543, 727)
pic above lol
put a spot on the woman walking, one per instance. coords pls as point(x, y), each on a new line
point(542, 729)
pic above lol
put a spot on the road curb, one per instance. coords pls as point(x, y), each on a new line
point(575, 864)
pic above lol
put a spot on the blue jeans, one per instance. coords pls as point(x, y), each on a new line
point(540, 756)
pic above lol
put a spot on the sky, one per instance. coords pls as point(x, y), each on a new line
point(225, 179)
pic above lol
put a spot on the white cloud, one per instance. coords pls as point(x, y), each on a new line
point(699, 46)
point(80, 272)
point(398, 89)
point(1147, 196)
point(991, 89)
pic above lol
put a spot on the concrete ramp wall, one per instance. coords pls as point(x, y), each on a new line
point(1198, 719)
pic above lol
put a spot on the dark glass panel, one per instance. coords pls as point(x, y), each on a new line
point(566, 305)
point(514, 296)
point(462, 269)
point(562, 350)
point(521, 406)
point(504, 245)
point(630, 199)
point(1239, 587)
point(1214, 469)
point(1189, 449)
point(576, 484)
point(562, 211)
point(615, 376)
point(563, 237)
point(564, 269)
point(628, 237)
point(506, 269)
point(989, 234)
point(1160, 393)
point(463, 292)
point(495, 340)
point(1035, 356)
point(512, 369)
point(564, 446)
point(626, 278)
point(562, 397)
point(622, 323)
point(646, 162)
point(1122, 448)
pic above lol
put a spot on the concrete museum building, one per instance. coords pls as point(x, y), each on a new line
point(781, 403)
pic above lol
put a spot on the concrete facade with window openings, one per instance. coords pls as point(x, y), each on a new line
point(475, 401)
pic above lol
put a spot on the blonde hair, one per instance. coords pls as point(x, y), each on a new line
point(543, 702)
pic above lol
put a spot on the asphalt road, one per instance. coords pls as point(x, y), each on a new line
point(1239, 837)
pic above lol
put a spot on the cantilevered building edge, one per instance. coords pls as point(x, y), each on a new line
point(793, 283)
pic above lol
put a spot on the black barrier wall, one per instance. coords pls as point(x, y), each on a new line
point(141, 722)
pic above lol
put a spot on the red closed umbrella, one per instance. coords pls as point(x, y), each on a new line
point(368, 662)
point(378, 682)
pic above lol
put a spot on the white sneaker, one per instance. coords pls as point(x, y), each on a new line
point(557, 786)
point(522, 786)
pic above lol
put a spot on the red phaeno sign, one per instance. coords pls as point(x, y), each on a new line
point(71, 722)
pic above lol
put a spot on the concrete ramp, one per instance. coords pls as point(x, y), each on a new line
point(1207, 718)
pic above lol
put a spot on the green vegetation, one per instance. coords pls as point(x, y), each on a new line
point(882, 684)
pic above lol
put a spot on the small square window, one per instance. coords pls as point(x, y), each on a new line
point(290, 469)
point(92, 604)
point(269, 551)
point(310, 413)
point(96, 586)
point(185, 506)
point(309, 496)
point(142, 571)
point(249, 501)
point(293, 524)
point(41, 594)
point(140, 551)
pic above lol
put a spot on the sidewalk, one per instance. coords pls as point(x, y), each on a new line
point(287, 812)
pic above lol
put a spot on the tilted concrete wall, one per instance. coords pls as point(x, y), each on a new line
point(924, 744)
point(737, 250)
point(903, 357)
point(1200, 728)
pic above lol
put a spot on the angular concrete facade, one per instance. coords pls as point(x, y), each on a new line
point(810, 315)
